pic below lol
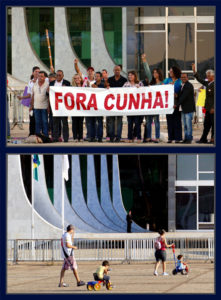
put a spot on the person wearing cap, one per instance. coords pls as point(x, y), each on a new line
point(67, 253)
point(209, 104)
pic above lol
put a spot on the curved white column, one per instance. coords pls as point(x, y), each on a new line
point(106, 203)
point(19, 209)
point(117, 196)
point(64, 54)
point(24, 57)
point(100, 58)
point(92, 197)
point(69, 213)
point(42, 202)
point(78, 202)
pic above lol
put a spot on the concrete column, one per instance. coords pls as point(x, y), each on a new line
point(171, 192)
point(131, 39)
point(100, 58)
point(124, 38)
point(24, 57)
point(64, 52)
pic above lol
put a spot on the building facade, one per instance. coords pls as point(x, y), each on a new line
point(105, 36)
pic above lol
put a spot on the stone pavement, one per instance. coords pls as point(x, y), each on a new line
point(18, 137)
point(40, 277)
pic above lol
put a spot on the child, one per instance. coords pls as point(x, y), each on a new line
point(181, 266)
point(101, 272)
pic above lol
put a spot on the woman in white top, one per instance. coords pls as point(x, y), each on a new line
point(134, 122)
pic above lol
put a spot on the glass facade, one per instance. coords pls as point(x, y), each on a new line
point(112, 29)
point(195, 191)
point(79, 25)
point(170, 36)
point(39, 19)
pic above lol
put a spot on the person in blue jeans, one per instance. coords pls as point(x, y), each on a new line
point(40, 104)
point(187, 102)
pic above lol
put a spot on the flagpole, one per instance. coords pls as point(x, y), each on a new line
point(32, 200)
point(62, 190)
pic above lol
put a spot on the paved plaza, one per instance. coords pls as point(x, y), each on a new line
point(137, 277)
point(20, 133)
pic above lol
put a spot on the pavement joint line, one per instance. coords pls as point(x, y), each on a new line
point(186, 281)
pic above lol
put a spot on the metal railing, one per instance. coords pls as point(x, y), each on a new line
point(118, 250)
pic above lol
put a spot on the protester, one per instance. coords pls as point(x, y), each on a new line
point(68, 256)
point(209, 104)
point(174, 125)
point(96, 123)
point(134, 122)
point(187, 102)
point(77, 122)
point(40, 104)
point(116, 81)
point(88, 81)
point(160, 253)
point(104, 80)
point(60, 81)
point(33, 80)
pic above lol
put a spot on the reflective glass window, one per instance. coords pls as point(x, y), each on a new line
point(151, 11)
point(39, 19)
point(206, 162)
point(205, 52)
point(186, 211)
point(181, 45)
point(186, 167)
point(205, 26)
point(180, 11)
point(206, 204)
point(205, 10)
point(79, 24)
point(186, 188)
point(112, 28)
point(206, 176)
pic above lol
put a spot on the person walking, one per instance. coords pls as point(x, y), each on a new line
point(187, 103)
point(67, 253)
point(160, 253)
point(209, 104)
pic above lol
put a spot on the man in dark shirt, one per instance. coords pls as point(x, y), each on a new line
point(129, 221)
point(116, 122)
point(187, 103)
point(209, 104)
point(96, 123)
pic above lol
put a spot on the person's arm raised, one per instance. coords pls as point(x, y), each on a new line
point(146, 67)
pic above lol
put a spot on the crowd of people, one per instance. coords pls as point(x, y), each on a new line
point(42, 122)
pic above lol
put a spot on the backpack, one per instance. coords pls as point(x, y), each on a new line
point(157, 244)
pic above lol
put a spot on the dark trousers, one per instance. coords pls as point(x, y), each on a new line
point(174, 126)
point(128, 227)
point(95, 127)
point(105, 277)
point(77, 127)
point(32, 125)
point(50, 123)
point(41, 121)
point(56, 122)
point(115, 127)
point(208, 124)
point(134, 127)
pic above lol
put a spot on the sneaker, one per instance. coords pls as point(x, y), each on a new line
point(63, 285)
point(80, 283)
point(155, 273)
point(165, 274)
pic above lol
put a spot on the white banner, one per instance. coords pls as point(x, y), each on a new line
point(85, 101)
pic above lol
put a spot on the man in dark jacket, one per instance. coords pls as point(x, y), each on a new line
point(60, 81)
point(129, 221)
point(187, 103)
point(209, 104)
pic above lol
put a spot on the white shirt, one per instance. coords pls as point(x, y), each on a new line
point(86, 79)
point(58, 83)
point(66, 238)
point(31, 84)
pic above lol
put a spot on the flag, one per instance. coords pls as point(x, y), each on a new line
point(36, 163)
point(65, 167)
